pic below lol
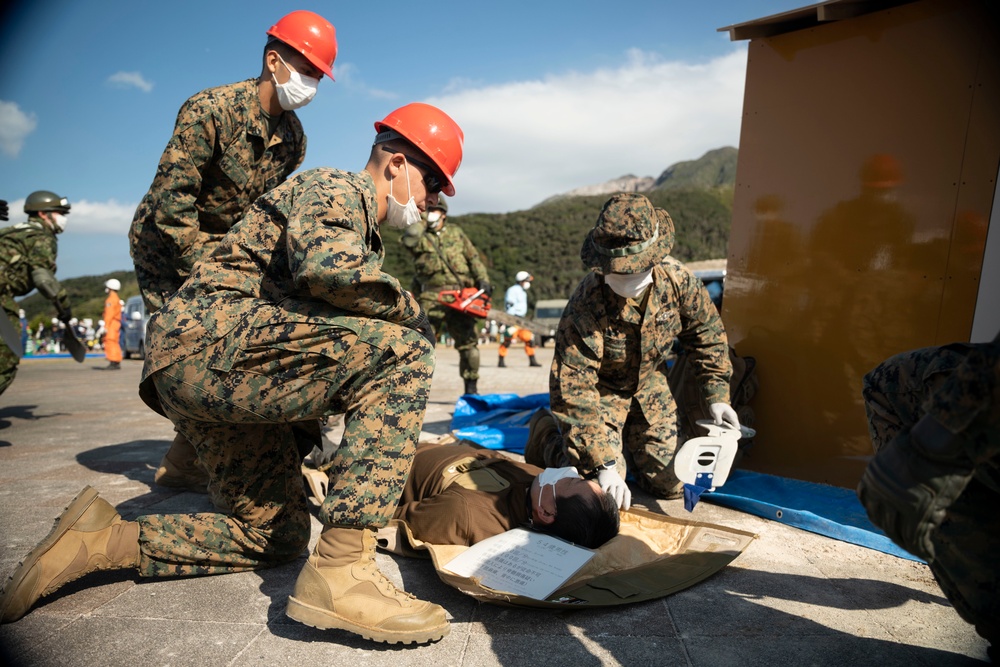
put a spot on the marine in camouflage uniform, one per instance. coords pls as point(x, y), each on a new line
point(608, 385)
point(291, 319)
point(934, 484)
point(28, 261)
point(445, 259)
point(230, 145)
point(220, 158)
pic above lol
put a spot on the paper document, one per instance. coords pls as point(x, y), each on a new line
point(521, 562)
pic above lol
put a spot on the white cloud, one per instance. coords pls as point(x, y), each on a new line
point(15, 126)
point(347, 75)
point(130, 79)
point(526, 141)
point(90, 217)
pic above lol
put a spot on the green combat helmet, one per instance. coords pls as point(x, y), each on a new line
point(442, 205)
point(43, 200)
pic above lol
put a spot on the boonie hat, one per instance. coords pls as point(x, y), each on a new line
point(631, 236)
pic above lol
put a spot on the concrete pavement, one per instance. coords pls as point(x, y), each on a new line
point(792, 598)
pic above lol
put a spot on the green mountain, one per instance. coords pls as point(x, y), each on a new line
point(715, 169)
point(544, 240)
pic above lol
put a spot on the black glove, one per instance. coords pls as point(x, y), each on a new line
point(423, 325)
point(912, 481)
point(4, 211)
point(485, 286)
point(65, 314)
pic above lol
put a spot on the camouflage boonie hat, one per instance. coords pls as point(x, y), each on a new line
point(631, 236)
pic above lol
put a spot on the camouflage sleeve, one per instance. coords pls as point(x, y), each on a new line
point(178, 182)
point(971, 397)
point(703, 337)
point(47, 285)
point(476, 266)
point(329, 259)
point(573, 382)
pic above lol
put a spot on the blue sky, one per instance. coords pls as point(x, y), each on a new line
point(551, 95)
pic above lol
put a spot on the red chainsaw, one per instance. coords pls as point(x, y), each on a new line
point(468, 300)
point(476, 302)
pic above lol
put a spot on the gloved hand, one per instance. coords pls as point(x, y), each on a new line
point(485, 286)
point(611, 482)
point(423, 325)
point(411, 235)
point(4, 210)
point(65, 314)
point(723, 413)
point(912, 481)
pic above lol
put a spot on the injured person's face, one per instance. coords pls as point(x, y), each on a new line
point(544, 499)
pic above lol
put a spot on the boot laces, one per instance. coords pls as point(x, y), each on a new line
point(382, 581)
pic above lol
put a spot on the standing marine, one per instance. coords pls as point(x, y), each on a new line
point(444, 259)
point(230, 145)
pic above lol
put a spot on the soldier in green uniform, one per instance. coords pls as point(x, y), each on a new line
point(608, 385)
point(230, 145)
point(291, 319)
point(934, 483)
point(27, 262)
point(445, 259)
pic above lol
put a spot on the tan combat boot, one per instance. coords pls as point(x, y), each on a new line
point(88, 536)
point(180, 468)
point(341, 587)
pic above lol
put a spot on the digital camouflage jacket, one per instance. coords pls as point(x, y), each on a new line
point(218, 161)
point(310, 249)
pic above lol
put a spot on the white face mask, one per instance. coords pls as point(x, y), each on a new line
point(297, 92)
point(59, 220)
point(550, 476)
point(398, 215)
point(525, 285)
point(434, 219)
point(629, 285)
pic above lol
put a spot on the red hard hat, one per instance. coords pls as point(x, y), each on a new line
point(311, 35)
point(881, 171)
point(433, 132)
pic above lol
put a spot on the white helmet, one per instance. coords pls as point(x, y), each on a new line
point(522, 276)
point(114, 283)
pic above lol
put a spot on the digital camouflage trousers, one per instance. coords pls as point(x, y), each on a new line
point(967, 544)
point(240, 422)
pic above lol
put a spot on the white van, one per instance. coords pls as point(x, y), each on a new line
point(135, 319)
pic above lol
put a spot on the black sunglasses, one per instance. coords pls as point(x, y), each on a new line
point(432, 181)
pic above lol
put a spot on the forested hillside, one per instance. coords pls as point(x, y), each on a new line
point(546, 240)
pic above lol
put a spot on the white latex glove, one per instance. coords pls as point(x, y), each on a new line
point(611, 482)
point(723, 413)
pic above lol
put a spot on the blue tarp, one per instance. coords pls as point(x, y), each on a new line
point(496, 421)
point(500, 421)
point(819, 508)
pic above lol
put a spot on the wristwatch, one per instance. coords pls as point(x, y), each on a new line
point(607, 465)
